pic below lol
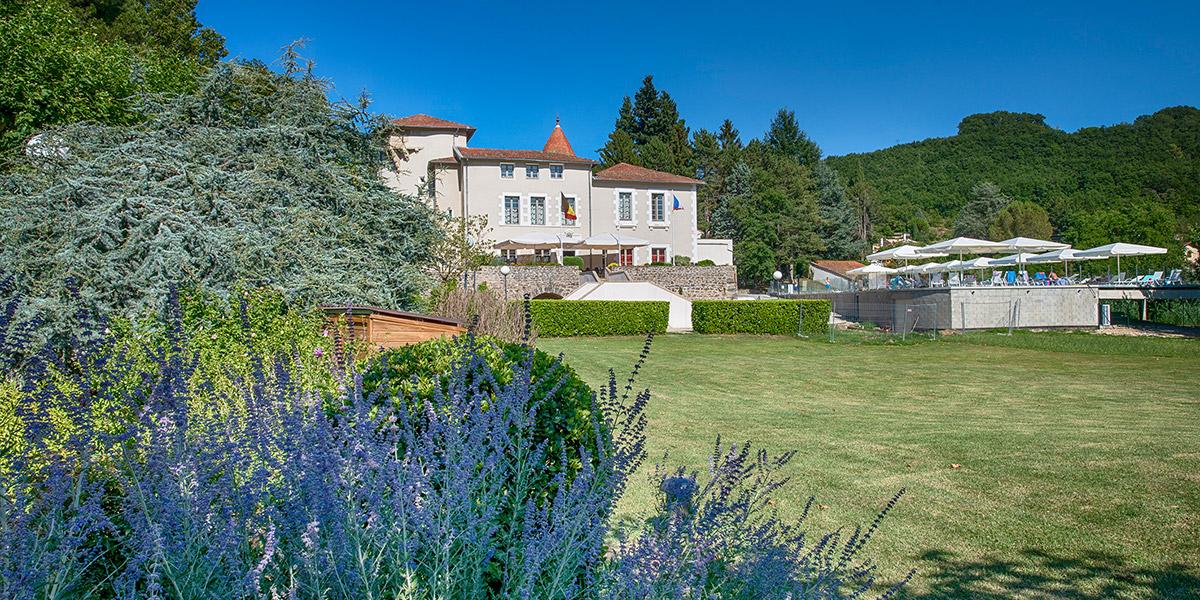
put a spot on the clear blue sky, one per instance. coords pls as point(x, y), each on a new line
point(860, 77)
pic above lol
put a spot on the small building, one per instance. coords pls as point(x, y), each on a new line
point(383, 328)
point(833, 274)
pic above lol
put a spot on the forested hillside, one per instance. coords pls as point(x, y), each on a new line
point(1137, 182)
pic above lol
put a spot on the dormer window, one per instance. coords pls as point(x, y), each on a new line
point(506, 171)
point(531, 171)
point(556, 171)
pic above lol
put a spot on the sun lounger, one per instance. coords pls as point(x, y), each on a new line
point(1174, 278)
point(997, 278)
point(1010, 278)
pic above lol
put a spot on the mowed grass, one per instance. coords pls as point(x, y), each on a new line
point(1079, 454)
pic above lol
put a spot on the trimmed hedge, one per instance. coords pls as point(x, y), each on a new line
point(564, 318)
point(572, 261)
point(773, 317)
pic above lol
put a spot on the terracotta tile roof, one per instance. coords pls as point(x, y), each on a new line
point(558, 141)
point(628, 172)
point(837, 266)
point(445, 160)
point(428, 122)
point(530, 155)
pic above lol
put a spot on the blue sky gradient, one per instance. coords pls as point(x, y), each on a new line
point(860, 77)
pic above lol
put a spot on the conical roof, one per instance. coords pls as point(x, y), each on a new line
point(558, 143)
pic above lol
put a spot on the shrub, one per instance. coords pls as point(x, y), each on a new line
point(660, 264)
point(301, 498)
point(484, 311)
point(562, 318)
point(706, 263)
point(419, 372)
point(573, 261)
point(681, 261)
point(775, 317)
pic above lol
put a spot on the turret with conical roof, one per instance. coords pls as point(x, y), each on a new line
point(557, 143)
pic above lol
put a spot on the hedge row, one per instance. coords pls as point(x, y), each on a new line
point(561, 318)
point(777, 317)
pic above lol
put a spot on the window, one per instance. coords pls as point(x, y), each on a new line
point(658, 207)
point(626, 257)
point(658, 255)
point(625, 206)
point(570, 208)
point(531, 171)
point(543, 256)
point(556, 171)
point(537, 210)
point(512, 210)
point(506, 171)
point(509, 256)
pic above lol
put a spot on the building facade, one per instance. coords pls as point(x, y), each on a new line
point(551, 191)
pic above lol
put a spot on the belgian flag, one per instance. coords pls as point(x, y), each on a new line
point(568, 211)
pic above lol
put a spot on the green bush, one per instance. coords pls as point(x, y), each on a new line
point(563, 318)
point(573, 261)
point(564, 419)
point(706, 263)
point(773, 317)
point(682, 261)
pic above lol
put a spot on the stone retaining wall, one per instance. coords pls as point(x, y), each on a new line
point(532, 280)
point(693, 283)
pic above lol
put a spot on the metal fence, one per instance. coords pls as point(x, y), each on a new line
point(867, 321)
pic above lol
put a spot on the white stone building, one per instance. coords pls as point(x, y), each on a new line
point(551, 191)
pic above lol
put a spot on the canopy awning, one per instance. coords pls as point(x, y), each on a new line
point(537, 240)
point(611, 241)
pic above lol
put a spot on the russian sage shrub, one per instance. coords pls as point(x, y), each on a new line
point(307, 493)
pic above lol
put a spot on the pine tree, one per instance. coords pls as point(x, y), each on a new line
point(730, 138)
point(706, 153)
point(986, 201)
point(646, 112)
point(657, 155)
point(839, 221)
point(618, 149)
point(784, 137)
point(737, 191)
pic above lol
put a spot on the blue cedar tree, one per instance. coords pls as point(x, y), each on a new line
point(255, 177)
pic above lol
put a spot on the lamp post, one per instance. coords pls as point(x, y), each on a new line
point(504, 271)
point(777, 276)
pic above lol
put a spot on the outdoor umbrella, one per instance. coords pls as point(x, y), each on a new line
point(1064, 256)
point(1022, 245)
point(537, 240)
point(961, 246)
point(1120, 249)
point(1014, 259)
point(611, 241)
point(871, 269)
point(905, 253)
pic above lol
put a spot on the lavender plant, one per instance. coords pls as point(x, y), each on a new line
point(141, 491)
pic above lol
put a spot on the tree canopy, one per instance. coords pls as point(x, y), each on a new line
point(1080, 179)
point(63, 62)
point(255, 177)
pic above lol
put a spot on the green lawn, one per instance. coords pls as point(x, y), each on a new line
point(1079, 453)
